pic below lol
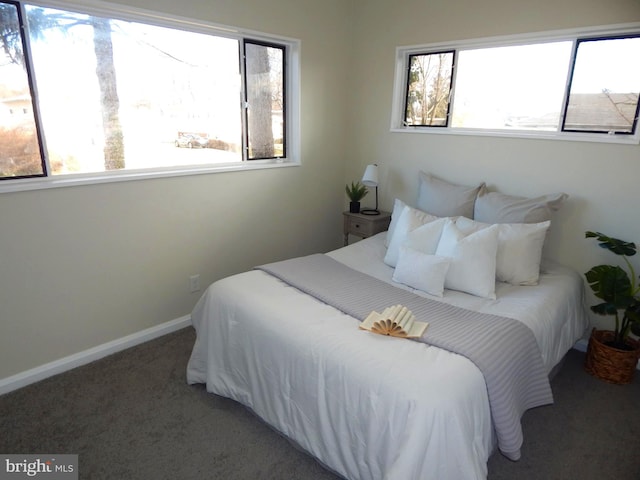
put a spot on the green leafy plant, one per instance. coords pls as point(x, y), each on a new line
point(356, 191)
point(618, 289)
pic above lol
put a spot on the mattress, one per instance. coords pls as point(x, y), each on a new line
point(367, 406)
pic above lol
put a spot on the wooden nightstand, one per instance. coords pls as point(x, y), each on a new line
point(364, 226)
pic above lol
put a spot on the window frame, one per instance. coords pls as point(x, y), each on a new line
point(26, 51)
point(403, 54)
point(574, 57)
point(454, 54)
point(291, 72)
point(245, 113)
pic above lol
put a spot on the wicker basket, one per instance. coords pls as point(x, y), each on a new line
point(611, 364)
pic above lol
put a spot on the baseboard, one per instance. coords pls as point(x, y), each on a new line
point(87, 356)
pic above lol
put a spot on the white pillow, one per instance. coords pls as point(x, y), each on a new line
point(473, 264)
point(519, 249)
point(410, 219)
point(426, 238)
point(421, 271)
point(398, 207)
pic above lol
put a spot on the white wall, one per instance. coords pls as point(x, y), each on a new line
point(601, 179)
point(85, 265)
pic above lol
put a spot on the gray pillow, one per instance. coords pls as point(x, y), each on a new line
point(494, 207)
point(443, 199)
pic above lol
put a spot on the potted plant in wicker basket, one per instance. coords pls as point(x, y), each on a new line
point(356, 192)
point(613, 355)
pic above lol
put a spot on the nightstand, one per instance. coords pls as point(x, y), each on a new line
point(364, 226)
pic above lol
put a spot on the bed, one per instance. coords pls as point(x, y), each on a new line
point(370, 406)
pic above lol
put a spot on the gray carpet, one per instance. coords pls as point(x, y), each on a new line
point(132, 416)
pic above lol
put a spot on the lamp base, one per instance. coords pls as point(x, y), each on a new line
point(368, 211)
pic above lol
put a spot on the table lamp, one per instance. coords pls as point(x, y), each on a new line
point(370, 179)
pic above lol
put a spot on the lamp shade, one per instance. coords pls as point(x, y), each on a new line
point(370, 177)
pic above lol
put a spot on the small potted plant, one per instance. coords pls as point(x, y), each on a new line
point(613, 355)
point(356, 192)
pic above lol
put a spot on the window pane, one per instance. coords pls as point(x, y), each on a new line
point(19, 147)
point(265, 99)
point(514, 87)
point(124, 95)
point(605, 86)
point(428, 89)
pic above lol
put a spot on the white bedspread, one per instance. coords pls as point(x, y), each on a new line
point(367, 406)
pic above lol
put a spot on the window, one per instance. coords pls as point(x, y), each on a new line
point(603, 96)
point(511, 87)
point(113, 92)
point(265, 99)
point(20, 146)
point(576, 86)
point(429, 89)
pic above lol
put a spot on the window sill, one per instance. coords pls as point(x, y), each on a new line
point(73, 180)
point(548, 135)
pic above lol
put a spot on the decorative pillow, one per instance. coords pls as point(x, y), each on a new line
point(519, 249)
point(398, 207)
point(426, 238)
point(494, 207)
point(445, 199)
point(421, 271)
point(410, 219)
point(473, 264)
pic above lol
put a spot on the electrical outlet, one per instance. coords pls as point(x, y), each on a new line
point(194, 283)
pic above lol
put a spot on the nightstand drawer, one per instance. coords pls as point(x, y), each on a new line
point(358, 227)
point(364, 226)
